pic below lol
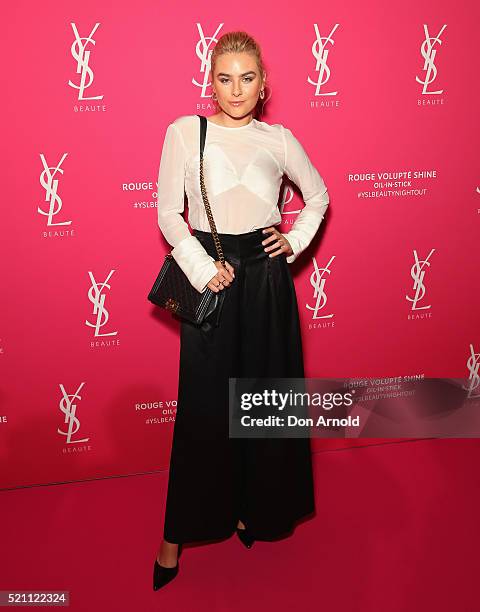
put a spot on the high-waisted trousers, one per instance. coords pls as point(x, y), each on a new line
point(215, 479)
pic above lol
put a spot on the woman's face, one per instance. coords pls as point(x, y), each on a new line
point(237, 79)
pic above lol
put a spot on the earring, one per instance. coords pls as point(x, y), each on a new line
point(262, 94)
point(214, 96)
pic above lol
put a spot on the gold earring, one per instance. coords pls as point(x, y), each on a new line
point(262, 94)
point(214, 96)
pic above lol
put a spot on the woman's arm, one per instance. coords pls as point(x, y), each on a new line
point(188, 252)
point(303, 173)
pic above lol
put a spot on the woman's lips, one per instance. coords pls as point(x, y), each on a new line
point(236, 103)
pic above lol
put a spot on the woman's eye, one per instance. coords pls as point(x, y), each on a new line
point(248, 79)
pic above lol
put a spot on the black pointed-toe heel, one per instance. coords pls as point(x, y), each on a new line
point(163, 575)
point(245, 537)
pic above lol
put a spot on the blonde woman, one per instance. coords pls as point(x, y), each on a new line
point(218, 485)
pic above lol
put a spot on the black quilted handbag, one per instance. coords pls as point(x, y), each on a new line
point(172, 290)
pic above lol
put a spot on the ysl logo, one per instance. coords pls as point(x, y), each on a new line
point(203, 52)
point(473, 364)
point(98, 300)
point(320, 53)
point(317, 280)
point(79, 52)
point(428, 53)
point(51, 191)
point(69, 408)
point(417, 272)
point(287, 197)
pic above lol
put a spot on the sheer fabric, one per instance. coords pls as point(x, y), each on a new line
point(243, 169)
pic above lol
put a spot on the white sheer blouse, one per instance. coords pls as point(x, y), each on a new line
point(243, 169)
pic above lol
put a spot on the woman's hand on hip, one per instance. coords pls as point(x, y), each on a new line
point(277, 243)
point(222, 278)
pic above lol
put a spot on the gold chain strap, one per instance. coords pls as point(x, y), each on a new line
point(216, 239)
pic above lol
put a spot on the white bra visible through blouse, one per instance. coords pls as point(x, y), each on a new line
point(243, 170)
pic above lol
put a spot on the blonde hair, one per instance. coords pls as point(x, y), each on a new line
point(241, 42)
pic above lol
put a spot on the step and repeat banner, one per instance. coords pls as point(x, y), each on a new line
point(384, 99)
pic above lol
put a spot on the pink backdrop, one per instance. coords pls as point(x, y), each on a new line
point(388, 287)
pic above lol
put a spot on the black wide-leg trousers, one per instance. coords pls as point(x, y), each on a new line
point(215, 480)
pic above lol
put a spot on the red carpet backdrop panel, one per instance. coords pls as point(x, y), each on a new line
point(384, 99)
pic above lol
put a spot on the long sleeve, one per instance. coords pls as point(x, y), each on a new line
point(188, 252)
point(303, 173)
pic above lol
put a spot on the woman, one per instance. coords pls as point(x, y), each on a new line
point(218, 484)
